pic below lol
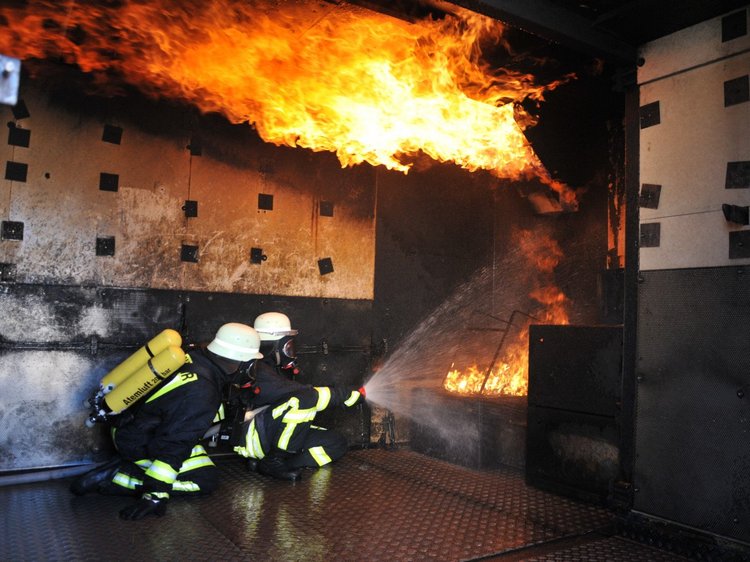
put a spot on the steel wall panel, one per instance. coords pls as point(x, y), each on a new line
point(576, 368)
point(468, 430)
point(57, 342)
point(573, 437)
point(692, 420)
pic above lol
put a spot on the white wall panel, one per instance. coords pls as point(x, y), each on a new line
point(685, 238)
point(693, 46)
point(687, 152)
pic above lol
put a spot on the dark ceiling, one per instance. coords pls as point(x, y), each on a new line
point(638, 21)
point(611, 29)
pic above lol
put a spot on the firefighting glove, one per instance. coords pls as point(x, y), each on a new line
point(356, 397)
point(152, 503)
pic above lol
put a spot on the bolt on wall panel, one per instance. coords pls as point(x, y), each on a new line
point(687, 153)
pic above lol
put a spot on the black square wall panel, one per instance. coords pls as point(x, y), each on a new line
point(736, 91)
point(105, 246)
point(650, 115)
point(650, 235)
point(109, 182)
point(265, 202)
point(12, 230)
point(16, 171)
point(734, 26)
point(325, 266)
point(736, 214)
point(739, 244)
point(650, 194)
point(20, 111)
point(195, 147)
point(191, 208)
point(257, 255)
point(7, 272)
point(18, 136)
point(189, 253)
point(738, 175)
point(326, 208)
point(112, 134)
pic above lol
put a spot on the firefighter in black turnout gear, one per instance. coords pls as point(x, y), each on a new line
point(158, 439)
point(278, 435)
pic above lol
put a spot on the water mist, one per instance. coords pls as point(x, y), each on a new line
point(467, 328)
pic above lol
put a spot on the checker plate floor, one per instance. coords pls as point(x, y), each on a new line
point(375, 504)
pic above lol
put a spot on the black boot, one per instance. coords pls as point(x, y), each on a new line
point(275, 466)
point(96, 478)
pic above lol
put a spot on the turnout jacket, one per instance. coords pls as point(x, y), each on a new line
point(171, 421)
point(271, 386)
point(282, 426)
point(290, 409)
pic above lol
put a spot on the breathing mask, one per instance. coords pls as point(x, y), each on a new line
point(284, 354)
point(244, 376)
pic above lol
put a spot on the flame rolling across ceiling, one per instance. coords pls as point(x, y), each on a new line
point(318, 75)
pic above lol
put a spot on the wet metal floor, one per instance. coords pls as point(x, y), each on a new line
point(372, 505)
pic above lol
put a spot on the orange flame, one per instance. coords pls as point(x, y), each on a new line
point(544, 253)
point(507, 379)
point(510, 376)
point(320, 76)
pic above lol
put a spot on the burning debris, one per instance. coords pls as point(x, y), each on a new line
point(507, 373)
point(322, 76)
point(511, 380)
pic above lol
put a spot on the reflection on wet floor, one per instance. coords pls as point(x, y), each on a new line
point(371, 505)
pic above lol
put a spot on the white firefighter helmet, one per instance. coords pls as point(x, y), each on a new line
point(235, 341)
point(273, 326)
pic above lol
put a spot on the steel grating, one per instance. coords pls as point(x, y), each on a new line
point(371, 505)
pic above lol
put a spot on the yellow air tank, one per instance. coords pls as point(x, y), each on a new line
point(156, 345)
point(145, 379)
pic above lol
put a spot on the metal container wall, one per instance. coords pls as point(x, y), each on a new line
point(573, 438)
